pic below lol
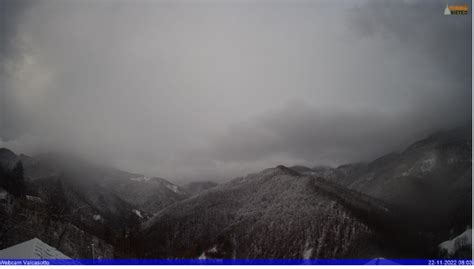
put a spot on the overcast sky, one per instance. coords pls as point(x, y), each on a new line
point(196, 90)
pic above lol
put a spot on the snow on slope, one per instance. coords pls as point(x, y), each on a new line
point(274, 213)
point(174, 188)
point(307, 252)
point(138, 213)
point(451, 246)
point(140, 179)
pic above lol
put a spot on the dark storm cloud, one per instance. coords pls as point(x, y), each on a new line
point(439, 99)
point(312, 136)
point(10, 16)
point(216, 89)
point(418, 26)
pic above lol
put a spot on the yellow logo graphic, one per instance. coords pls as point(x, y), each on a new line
point(456, 9)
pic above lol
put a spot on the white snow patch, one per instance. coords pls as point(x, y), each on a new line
point(97, 217)
point(451, 246)
point(138, 213)
point(34, 199)
point(423, 166)
point(3, 194)
point(428, 164)
point(307, 253)
point(174, 188)
point(307, 250)
point(211, 250)
point(141, 179)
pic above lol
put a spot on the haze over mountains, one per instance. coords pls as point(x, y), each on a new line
point(236, 129)
point(432, 177)
point(401, 205)
point(215, 90)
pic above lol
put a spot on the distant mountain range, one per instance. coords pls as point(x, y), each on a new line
point(276, 213)
point(431, 179)
point(197, 187)
point(402, 205)
point(100, 201)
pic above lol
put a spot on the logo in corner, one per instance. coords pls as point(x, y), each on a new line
point(461, 9)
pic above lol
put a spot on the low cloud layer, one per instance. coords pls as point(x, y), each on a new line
point(213, 90)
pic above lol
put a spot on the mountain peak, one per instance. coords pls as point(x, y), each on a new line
point(286, 170)
point(443, 137)
point(7, 158)
point(6, 153)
